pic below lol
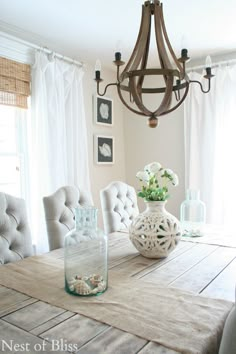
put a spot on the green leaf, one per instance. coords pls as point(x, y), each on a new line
point(141, 194)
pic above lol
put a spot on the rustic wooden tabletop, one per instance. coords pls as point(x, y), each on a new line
point(30, 325)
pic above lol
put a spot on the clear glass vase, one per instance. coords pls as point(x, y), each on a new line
point(192, 214)
point(86, 255)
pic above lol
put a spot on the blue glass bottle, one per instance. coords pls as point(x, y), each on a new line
point(86, 255)
point(192, 214)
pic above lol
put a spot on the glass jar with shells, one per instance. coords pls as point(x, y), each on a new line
point(86, 255)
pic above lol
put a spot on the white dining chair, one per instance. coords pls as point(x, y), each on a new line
point(228, 341)
point(59, 213)
point(15, 235)
point(119, 206)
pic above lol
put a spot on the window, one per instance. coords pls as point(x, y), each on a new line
point(13, 157)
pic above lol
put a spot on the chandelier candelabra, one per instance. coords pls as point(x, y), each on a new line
point(171, 72)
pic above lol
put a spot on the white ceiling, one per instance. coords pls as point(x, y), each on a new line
point(86, 30)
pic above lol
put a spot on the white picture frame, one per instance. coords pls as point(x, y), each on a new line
point(103, 110)
point(104, 150)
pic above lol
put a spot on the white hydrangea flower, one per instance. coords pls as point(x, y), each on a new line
point(175, 179)
point(142, 176)
point(156, 181)
point(153, 167)
point(168, 171)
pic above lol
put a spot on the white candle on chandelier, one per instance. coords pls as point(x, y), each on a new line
point(118, 50)
point(98, 69)
point(184, 47)
point(208, 62)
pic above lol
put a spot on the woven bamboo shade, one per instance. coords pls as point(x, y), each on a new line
point(14, 83)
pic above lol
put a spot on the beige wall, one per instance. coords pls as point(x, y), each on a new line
point(135, 144)
point(102, 175)
point(164, 144)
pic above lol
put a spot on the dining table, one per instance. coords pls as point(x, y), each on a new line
point(193, 289)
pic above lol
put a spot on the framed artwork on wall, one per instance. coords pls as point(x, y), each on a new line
point(103, 110)
point(104, 149)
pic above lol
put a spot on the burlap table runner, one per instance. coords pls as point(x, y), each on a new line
point(212, 235)
point(171, 317)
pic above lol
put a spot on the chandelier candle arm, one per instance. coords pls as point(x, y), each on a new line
point(208, 75)
point(105, 90)
point(175, 82)
point(201, 86)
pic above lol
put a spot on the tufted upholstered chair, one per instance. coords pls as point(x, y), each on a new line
point(119, 206)
point(15, 236)
point(59, 213)
point(228, 341)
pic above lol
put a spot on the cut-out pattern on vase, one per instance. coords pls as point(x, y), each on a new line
point(155, 232)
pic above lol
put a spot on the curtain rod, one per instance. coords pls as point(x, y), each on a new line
point(45, 49)
point(214, 65)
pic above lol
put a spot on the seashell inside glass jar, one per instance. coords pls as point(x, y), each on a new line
point(86, 285)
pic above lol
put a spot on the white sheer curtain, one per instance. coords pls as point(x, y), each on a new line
point(210, 144)
point(58, 135)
